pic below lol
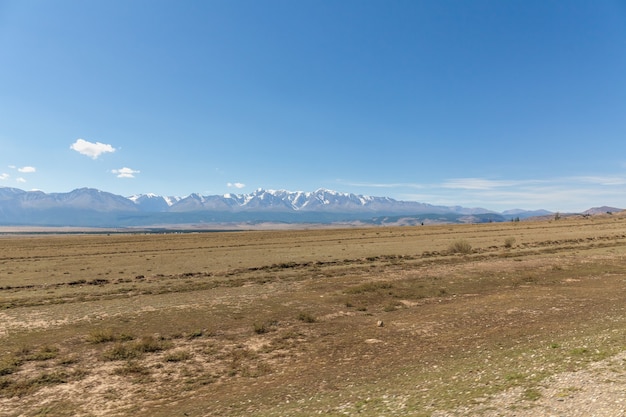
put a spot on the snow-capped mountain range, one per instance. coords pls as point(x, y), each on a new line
point(91, 207)
point(281, 200)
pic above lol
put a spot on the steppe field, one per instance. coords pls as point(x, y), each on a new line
point(501, 319)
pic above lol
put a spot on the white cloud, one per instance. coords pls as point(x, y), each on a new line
point(125, 172)
point(20, 180)
point(92, 150)
point(236, 185)
point(4, 176)
point(27, 169)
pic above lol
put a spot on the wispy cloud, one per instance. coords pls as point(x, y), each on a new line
point(235, 185)
point(125, 172)
point(27, 169)
point(568, 194)
point(91, 149)
point(381, 184)
point(482, 183)
point(4, 176)
point(22, 180)
point(563, 193)
point(601, 180)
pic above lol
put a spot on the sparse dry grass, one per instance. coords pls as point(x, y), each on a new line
point(287, 321)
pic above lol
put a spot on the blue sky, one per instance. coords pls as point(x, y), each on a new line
point(497, 104)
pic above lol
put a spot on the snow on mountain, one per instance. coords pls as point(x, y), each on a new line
point(153, 202)
point(82, 198)
point(8, 193)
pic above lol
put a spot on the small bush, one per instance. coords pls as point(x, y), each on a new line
point(101, 336)
point(460, 246)
point(150, 344)
point(44, 354)
point(9, 365)
point(125, 337)
point(260, 328)
point(132, 368)
point(178, 356)
point(368, 287)
point(121, 352)
point(306, 317)
point(68, 360)
point(390, 307)
point(195, 334)
point(509, 242)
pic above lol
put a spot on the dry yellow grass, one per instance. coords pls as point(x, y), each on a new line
point(285, 322)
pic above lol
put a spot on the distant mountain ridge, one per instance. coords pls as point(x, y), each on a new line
point(92, 207)
point(602, 210)
point(282, 200)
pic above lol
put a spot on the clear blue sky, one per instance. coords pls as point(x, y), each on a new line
point(497, 104)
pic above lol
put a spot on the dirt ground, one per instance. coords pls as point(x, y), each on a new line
point(438, 320)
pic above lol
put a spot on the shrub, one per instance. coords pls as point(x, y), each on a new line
point(132, 368)
point(101, 336)
point(390, 307)
point(44, 354)
point(509, 242)
point(306, 317)
point(460, 246)
point(178, 356)
point(150, 344)
point(195, 334)
point(121, 352)
point(368, 287)
point(260, 328)
point(9, 365)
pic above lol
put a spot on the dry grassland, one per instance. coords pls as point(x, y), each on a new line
point(287, 323)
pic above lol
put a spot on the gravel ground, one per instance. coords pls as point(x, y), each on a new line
point(597, 391)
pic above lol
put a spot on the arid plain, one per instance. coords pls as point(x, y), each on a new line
point(374, 321)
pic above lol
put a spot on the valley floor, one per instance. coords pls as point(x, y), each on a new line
point(495, 319)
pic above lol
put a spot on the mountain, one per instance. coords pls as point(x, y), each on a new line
point(524, 214)
point(319, 201)
point(153, 202)
point(91, 207)
point(602, 210)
